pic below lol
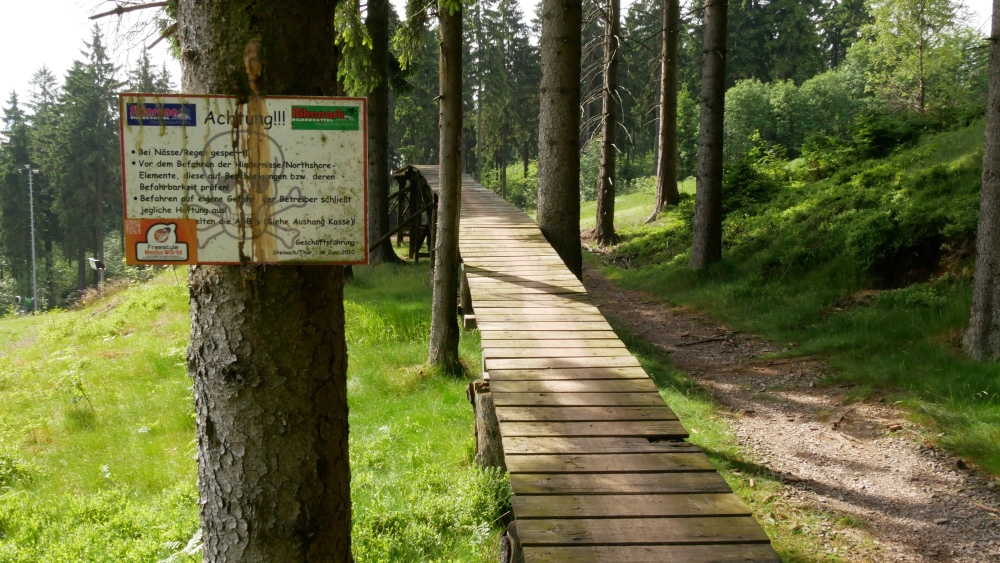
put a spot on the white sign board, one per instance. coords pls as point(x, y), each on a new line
point(276, 180)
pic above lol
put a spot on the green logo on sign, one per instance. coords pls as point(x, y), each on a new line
point(326, 118)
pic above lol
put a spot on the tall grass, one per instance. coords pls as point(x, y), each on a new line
point(97, 432)
point(870, 268)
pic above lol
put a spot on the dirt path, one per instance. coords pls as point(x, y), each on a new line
point(920, 504)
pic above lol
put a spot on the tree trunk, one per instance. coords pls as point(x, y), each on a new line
point(378, 134)
point(99, 243)
point(706, 246)
point(443, 351)
point(267, 354)
point(81, 267)
point(982, 339)
point(503, 161)
point(666, 169)
point(559, 131)
point(604, 231)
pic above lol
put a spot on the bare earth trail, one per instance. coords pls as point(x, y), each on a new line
point(920, 504)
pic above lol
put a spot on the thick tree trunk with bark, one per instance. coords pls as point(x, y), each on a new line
point(982, 339)
point(559, 131)
point(378, 135)
point(666, 168)
point(706, 246)
point(604, 231)
point(443, 351)
point(267, 354)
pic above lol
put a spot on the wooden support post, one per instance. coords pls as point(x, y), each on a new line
point(465, 301)
point(489, 448)
point(510, 545)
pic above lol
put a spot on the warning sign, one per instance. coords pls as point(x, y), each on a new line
point(276, 180)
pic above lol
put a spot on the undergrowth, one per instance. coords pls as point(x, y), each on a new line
point(869, 267)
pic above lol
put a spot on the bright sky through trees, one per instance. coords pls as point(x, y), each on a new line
point(51, 32)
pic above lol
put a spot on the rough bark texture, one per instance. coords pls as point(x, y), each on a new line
point(559, 131)
point(268, 355)
point(378, 135)
point(666, 170)
point(604, 230)
point(982, 339)
point(444, 310)
point(706, 246)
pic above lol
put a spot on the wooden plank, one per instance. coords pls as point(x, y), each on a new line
point(625, 506)
point(666, 429)
point(726, 553)
point(622, 463)
point(552, 352)
point(569, 373)
point(517, 307)
point(566, 317)
point(617, 483)
point(529, 363)
point(576, 399)
point(593, 446)
point(524, 414)
point(494, 335)
point(570, 386)
point(546, 326)
point(530, 343)
point(554, 300)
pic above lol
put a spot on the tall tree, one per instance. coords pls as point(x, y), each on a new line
point(666, 161)
point(982, 339)
point(604, 231)
point(45, 120)
point(144, 78)
point(559, 130)
point(267, 354)
point(15, 152)
point(377, 23)
point(706, 244)
point(443, 349)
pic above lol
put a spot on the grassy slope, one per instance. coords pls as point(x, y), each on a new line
point(813, 266)
point(97, 432)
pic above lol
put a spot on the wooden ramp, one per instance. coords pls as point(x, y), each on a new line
point(598, 463)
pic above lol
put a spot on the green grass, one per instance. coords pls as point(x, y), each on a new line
point(97, 431)
point(631, 210)
point(847, 267)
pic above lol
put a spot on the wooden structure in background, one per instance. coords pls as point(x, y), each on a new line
point(414, 204)
point(598, 463)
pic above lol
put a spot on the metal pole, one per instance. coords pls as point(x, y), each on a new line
point(34, 269)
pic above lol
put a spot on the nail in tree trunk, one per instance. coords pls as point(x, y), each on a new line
point(378, 134)
point(666, 169)
point(706, 245)
point(604, 232)
point(982, 339)
point(443, 351)
point(559, 131)
point(267, 351)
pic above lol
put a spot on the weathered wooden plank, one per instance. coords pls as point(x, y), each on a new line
point(531, 343)
point(570, 386)
point(494, 335)
point(546, 326)
point(574, 445)
point(525, 414)
point(517, 307)
point(576, 399)
point(625, 506)
point(617, 483)
point(567, 317)
point(492, 285)
point(656, 462)
point(726, 553)
point(666, 429)
point(529, 363)
point(552, 352)
point(568, 373)
point(554, 300)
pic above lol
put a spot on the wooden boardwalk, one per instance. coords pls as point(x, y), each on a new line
point(598, 463)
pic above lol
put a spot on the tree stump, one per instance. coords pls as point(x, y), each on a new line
point(465, 301)
point(489, 448)
point(510, 545)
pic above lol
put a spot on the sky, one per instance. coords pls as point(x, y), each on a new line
point(52, 33)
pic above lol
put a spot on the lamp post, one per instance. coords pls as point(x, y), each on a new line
point(31, 207)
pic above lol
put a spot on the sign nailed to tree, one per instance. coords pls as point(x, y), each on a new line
point(278, 180)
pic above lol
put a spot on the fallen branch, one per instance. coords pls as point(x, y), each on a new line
point(703, 341)
point(171, 29)
point(120, 9)
point(984, 507)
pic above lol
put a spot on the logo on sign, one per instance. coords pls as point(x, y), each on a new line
point(326, 118)
point(161, 245)
point(169, 115)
